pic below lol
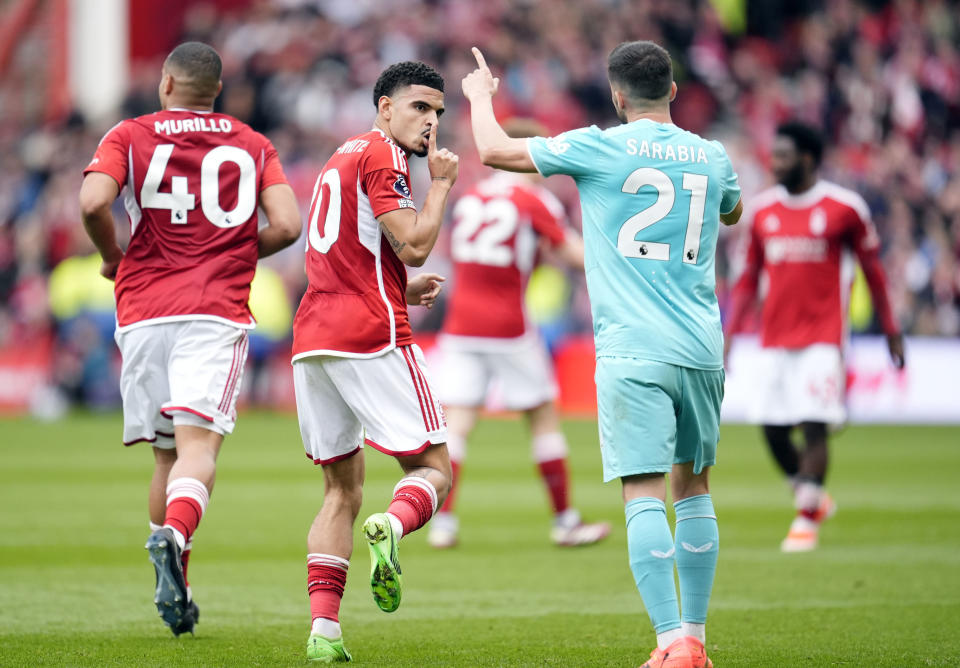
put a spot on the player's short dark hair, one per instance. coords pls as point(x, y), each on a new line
point(643, 68)
point(805, 137)
point(199, 63)
point(407, 73)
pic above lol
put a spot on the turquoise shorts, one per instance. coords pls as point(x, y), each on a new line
point(653, 415)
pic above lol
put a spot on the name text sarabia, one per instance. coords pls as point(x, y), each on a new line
point(657, 151)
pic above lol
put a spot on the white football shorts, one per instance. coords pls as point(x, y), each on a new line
point(517, 372)
point(186, 372)
point(799, 385)
point(385, 402)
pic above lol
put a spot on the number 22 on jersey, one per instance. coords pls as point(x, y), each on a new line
point(627, 242)
point(484, 230)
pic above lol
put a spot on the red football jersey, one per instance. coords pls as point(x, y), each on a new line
point(355, 303)
point(800, 241)
point(193, 180)
point(494, 247)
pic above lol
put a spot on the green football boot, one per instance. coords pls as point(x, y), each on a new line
point(385, 580)
point(325, 650)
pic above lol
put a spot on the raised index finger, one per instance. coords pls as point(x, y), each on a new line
point(481, 62)
point(432, 141)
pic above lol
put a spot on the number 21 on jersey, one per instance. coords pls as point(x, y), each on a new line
point(627, 242)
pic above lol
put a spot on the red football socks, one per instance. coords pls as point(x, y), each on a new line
point(555, 477)
point(187, 499)
point(326, 578)
point(414, 502)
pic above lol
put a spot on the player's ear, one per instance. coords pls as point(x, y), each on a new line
point(673, 90)
point(385, 107)
point(617, 97)
point(219, 88)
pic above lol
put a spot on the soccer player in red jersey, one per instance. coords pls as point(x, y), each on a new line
point(802, 233)
point(359, 377)
point(194, 180)
point(498, 225)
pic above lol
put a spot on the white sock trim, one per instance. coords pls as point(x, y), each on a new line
point(807, 496)
point(327, 628)
point(189, 488)
point(177, 536)
point(154, 527)
point(667, 638)
point(328, 560)
point(698, 631)
point(547, 447)
point(396, 525)
point(422, 483)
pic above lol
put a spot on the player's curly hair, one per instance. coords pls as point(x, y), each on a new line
point(643, 68)
point(407, 73)
point(805, 137)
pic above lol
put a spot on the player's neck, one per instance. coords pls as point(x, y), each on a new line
point(655, 115)
point(190, 105)
point(805, 185)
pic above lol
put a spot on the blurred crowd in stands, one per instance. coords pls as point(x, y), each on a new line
point(882, 79)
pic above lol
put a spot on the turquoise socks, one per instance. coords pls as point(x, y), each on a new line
point(697, 547)
point(651, 551)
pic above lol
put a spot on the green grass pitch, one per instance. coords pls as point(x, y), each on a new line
point(76, 585)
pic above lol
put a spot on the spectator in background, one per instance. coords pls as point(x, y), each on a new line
point(856, 68)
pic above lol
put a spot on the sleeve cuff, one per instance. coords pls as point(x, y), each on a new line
point(532, 158)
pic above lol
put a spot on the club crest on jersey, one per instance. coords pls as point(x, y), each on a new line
point(400, 185)
point(771, 223)
point(818, 222)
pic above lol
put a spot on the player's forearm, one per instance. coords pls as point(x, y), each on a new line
point(98, 222)
point(741, 298)
point(877, 283)
point(283, 219)
point(418, 241)
point(273, 239)
point(496, 148)
point(97, 193)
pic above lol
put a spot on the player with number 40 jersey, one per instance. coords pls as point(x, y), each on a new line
point(193, 232)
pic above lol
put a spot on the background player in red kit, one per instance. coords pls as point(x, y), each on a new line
point(487, 337)
point(801, 233)
point(359, 378)
point(193, 182)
